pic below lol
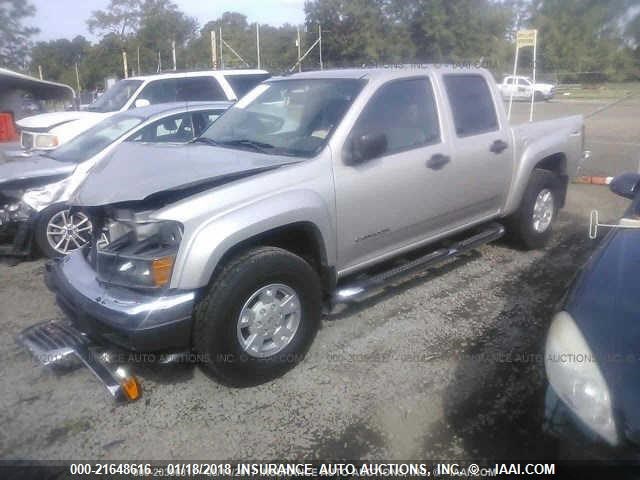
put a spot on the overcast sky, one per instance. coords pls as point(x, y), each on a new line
point(67, 18)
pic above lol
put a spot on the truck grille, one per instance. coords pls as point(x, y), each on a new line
point(27, 140)
point(51, 342)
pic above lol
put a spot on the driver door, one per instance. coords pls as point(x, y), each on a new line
point(393, 200)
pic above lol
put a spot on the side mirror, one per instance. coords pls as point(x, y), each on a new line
point(141, 102)
point(366, 147)
point(626, 185)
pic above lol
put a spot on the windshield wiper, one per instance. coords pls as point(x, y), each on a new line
point(205, 140)
point(245, 142)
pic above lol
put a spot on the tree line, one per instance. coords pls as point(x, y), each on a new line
point(579, 39)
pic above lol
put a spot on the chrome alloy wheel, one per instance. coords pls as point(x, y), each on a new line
point(543, 210)
point(269, 320)
point(68, 231)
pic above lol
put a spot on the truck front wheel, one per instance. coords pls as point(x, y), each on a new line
point(259, 317)
point(531, 224)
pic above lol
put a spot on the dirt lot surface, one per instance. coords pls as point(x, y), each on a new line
point(445, 365)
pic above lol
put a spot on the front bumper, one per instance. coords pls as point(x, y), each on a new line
point(134, 320)
point(579, 442)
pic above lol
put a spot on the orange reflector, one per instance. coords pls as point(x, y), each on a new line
point(130, 387)
point(161, 270)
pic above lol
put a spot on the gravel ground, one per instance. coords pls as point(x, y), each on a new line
point(443, 365)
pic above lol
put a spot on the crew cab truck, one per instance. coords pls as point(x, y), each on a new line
point(230, 246)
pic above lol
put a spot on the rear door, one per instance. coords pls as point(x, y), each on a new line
point(481, 165)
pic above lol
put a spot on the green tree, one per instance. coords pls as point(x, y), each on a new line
point(14, 35)
point(356, 31)
point(121, 18)
point(398, 31)
point(59, 57)
point(161, 23)
point(583, 36)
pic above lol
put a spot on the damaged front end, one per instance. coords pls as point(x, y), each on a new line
point(16, 222)
point(117, 298)
point(21, 201)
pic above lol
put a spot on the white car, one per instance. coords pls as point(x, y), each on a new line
point(523, 88)
point(50, 130)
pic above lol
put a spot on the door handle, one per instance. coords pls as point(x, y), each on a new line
point(498, 146)
point(438, 161)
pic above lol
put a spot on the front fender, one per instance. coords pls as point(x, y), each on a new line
point(211, 240)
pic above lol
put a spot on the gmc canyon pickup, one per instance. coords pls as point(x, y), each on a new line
point(314, 189)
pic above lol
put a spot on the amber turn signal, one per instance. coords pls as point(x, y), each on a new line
point(131, 388)
point(129, 384)
point(161, 270)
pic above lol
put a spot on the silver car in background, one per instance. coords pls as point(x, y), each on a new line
point(33, 190)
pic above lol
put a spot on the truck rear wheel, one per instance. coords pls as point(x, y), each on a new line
point(531, 224)
point(259, 317)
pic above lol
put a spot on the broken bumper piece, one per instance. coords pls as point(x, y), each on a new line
point(60, 344)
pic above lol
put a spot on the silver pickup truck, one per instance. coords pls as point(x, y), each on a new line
point(314, 189)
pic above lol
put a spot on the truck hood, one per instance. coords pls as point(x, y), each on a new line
point(33, 169)
point(46, 121)
point(136, 171)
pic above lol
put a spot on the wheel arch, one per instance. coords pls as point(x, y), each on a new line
point(555, 162)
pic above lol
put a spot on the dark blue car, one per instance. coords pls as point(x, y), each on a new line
point(592, 356)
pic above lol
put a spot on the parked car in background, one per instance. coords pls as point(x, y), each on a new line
point(230, 246)
point(33, 190)
point(50, 130)
point(592, 356)
point(522, 88)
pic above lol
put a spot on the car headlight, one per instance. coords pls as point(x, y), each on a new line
point(574, 374)
point(139, 255)
point(46, 140)
point(39, 198)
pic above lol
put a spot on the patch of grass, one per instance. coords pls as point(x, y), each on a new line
point(606, 91)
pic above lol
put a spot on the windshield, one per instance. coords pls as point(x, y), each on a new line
point(116, 97)
point(285, 117)
point(96, 139)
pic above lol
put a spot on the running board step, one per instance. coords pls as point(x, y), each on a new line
point(356, 290)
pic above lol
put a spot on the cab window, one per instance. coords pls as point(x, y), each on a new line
point(203, 120)
point(405, 112)
point(189, 89)
point(173, 129)
point(471, 104)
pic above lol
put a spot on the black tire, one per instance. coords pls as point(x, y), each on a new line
point(538, 97)
point(40, 230)
point(215, 334)
point(520, 225)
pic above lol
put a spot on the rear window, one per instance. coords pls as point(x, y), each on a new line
point(471, 104)
point(243, 84)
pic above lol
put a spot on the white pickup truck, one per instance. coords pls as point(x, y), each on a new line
point(522, 88)
point(48, 131)
point(314, 189)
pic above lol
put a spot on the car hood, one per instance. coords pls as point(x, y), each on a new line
point(136, 171)
point(47, 121)
point(24, 171)
point(604, 303)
